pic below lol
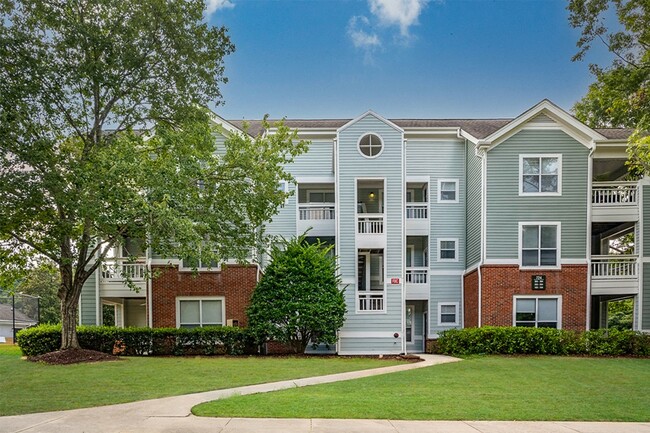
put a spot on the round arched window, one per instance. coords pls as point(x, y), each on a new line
point(371, 145)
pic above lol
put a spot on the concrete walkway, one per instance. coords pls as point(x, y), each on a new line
point(172, 414)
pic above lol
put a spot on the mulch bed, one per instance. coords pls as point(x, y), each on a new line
point(73, 356)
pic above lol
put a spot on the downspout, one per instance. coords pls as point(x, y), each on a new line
point(404, 247)
point(483, 156)
point(337, 216)
point(590, 168)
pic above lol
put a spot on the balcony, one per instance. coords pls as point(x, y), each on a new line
point(416, 283)
point(615, 201)
point(371, 301)
point(417, 218)
point(113, 276)
point(370, 231)
point(614, 275)
point(320, 217)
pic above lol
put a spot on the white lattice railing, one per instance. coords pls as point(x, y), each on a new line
point(610, 267)
point(316, 212)
point(614, 193)
point(416, 275)
point(371, 302)
point(119, 270)
point(417, 211)
point(370, 224)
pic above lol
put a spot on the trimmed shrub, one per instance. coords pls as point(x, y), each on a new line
point(490, 340)
point(217, 340)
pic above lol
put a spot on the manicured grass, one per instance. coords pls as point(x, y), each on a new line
point(28, 387)
point(481, 388)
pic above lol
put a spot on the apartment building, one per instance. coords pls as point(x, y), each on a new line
point(437, 224)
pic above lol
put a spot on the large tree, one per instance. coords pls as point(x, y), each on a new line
point(620, 96)
point(298, 300)
point(103, 137)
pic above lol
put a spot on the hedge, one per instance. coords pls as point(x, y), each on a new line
point(542, 341)
point(215, 340)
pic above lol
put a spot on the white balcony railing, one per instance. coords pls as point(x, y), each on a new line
point(416, 275)
point(120, 269)
point(372, 224)
point(614, 194)
point(614, 267)
point(316, 212)
point(371, 302)
point(417, 210)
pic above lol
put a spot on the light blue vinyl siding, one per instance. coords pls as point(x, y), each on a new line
point(646, 221)
point(473, 207)
point(88, 311)
point(645, 303)
point(444, 288)
point(371, 345)
point(505, 208)
point(387, 165)
point(317, 161)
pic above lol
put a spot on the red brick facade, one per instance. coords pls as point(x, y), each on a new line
point(501, 282)
point(234, 282)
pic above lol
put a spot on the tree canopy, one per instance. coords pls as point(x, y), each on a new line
point(298, 300)
point(103, 136)
point(620, 96)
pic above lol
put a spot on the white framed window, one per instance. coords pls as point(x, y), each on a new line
point(539, 244)
point(370, 145)
point(540, 174)
point(448, 190)
point(537, 311)
point(193, 311)
point(447, 250)
point(283, 186)
point(320, 196)
point(448, 314)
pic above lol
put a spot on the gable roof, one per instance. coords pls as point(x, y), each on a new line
point(6, 315)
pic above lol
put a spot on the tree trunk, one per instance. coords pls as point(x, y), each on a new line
point(69, 319)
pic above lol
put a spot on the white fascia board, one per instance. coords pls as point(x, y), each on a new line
point(225, 125)
point(370, 113)
point(583, 133)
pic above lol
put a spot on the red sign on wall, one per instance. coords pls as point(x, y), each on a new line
point(394, 280)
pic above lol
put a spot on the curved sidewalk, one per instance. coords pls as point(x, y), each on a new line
point(172, 414)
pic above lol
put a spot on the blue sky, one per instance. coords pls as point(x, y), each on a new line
point(400, 58)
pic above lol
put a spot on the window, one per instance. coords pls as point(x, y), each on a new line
point(321, 196)
point(196, 312)
point(283, 187)
point(447, 250)
point(540, 174)
point(448, 190)
point(537, 312)
point(370, 145)
point(409, 323)
point(540, 244)
point(448, 313)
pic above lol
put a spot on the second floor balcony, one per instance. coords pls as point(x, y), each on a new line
point(319, 217)
point(114, 274)
point(615, 201)
point(615, 274)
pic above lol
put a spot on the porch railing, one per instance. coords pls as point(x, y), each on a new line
point(372, 224)
point(316, 212)
point(614, 193)
point(416, 275)
point(371, 302)
point(614, 266)
point(417, 211)
point(120, 269)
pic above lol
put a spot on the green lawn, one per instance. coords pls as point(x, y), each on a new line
point(27, 387)
point(481, 388)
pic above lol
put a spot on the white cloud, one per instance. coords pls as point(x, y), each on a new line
point(402, 13)
point(214, 5)
point(360, 37)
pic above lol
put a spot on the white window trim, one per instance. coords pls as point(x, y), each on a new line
point(381, 139)
point(559, 174)
point(558, 243)
point(456, 305)
point(455, 240)
point(559, 307)
point(200, 298)
point(440, 181)
point(284, 187)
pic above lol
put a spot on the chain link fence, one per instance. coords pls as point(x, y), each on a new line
point(17, 311)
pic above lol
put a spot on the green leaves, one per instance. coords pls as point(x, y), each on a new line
point(298, 300)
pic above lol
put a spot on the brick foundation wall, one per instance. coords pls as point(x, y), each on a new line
point(235, 282)
point(470, 299)
point(501, 282)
